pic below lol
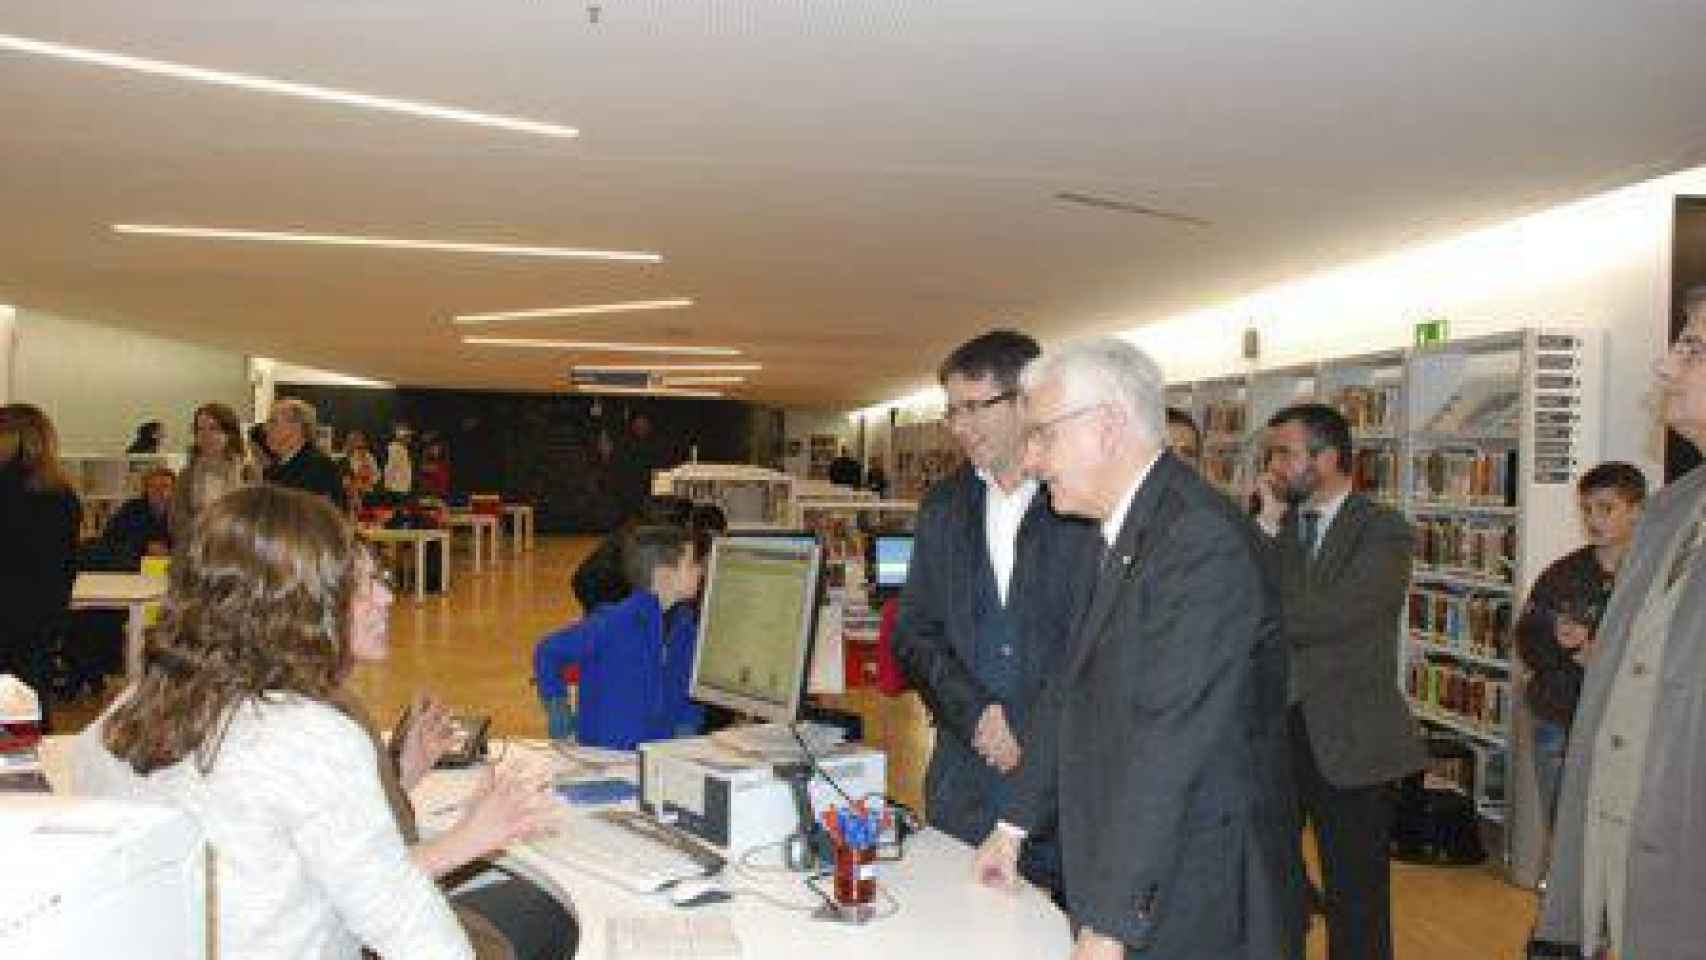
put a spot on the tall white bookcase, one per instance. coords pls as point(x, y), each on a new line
point(1479, 442)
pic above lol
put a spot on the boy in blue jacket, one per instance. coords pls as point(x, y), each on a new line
point(636, 655)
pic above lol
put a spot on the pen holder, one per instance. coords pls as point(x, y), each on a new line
point(855, 880)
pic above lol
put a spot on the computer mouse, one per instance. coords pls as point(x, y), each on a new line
point(697, 892)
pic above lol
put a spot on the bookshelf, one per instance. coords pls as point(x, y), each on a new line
point(1479, 442)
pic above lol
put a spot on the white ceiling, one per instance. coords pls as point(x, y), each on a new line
point(846, 187)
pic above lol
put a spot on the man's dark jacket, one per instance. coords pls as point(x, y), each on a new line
point(936, 633)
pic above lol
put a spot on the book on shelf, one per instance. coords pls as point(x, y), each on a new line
point(1474, 547)
point(1448, 619)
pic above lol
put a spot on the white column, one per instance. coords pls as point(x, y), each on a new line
point(8, 349)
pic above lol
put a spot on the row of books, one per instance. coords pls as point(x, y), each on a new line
point(1369, 409)
point(1375, 471)
point(1472, 697)
point(1468, 545)
point(1225, 417)
point(1465, 622)
point(1465, 476)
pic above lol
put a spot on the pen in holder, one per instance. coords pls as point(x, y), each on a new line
point(853, 836)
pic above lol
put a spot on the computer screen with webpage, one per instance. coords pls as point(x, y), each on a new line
point(891, 556)
point(755, 626)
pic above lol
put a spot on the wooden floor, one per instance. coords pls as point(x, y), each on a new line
point(473, 649)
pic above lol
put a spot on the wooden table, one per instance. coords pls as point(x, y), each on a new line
point(420, 538)
point(130, 592)
point(521, 525)
point(483, 526)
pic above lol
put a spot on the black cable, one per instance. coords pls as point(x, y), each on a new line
point(811, 758)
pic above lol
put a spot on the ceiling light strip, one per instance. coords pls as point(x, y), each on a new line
point(306, 91)
point(601, 347)
point(393, 243)
point(697, 381)
point(647, 391)
point(668, 367)
point(477, 319)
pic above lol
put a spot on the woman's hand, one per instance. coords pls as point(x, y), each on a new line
point(429, 736)
point(505, 807)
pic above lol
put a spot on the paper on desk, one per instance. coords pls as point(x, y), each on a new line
point(597, 760)
point(669, 936)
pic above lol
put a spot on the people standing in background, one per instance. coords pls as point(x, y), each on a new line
point(399, 466)
point(1560, 621)
point(148, 438)
point(989, 596)
point(1344, 571)
point(142, 527)
point(217, 465)
point(434, 474)
point(363, 465)
point(1629, 848)
point(261, 457)
point(844, 471)
point(39, 518)
point(300, 463)
point(1184, 439)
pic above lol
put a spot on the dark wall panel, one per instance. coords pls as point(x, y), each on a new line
point(576, 458)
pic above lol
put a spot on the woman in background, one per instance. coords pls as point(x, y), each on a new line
point(237, 720)
point(39, 518)
point(363, 465)
point(217, 466)
point(148, 438)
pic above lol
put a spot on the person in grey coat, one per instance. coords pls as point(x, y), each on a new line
point(1344, 569)
point(1629, 851)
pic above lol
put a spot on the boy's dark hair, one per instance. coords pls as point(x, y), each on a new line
point(706, 523)
point(1183, 419)
point(646, 548)
point(1624, 478)
point(1325, 427)
point(666, 510)
point(998, 354)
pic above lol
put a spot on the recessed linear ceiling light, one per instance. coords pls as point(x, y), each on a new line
point(696, 381)
point(649, 391)
point(476, 319)
point(593, 346)
point(341, 240)
point(285, 88)
point(669, 368)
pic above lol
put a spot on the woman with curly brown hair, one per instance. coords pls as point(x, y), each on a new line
point(237, 720)
point(39, 517)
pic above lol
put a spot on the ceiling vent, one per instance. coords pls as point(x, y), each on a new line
point(1121, 206)
point(605, 378)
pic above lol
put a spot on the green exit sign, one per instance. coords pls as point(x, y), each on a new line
point(1431, 331)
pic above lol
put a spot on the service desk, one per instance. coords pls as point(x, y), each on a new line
point(130, 592)
point(939, 911)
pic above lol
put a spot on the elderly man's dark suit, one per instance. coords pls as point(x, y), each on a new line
point(963, 651)
point(1351, 731)
point(1163, 745)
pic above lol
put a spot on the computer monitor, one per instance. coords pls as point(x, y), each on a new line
point(755, 625)
point(891, 556)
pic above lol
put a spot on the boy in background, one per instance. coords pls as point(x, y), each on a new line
point(635, 655)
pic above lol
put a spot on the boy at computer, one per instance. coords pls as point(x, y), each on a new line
point(636, 655)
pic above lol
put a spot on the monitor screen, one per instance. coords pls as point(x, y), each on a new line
point(755, 625)
point(891, 555)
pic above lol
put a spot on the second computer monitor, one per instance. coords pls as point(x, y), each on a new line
point(890, 559)
point(755, 625)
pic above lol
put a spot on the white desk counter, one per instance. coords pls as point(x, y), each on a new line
point(941, 912)
point(486, 532)
point(420, 538)
point(130, 592)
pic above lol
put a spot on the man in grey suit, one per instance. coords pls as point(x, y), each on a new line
point(1344, 568)
point(1161, 747)
point(1629, 853)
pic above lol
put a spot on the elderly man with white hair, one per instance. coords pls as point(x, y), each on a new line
point(1161, 749)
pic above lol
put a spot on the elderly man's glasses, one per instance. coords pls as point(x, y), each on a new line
point(960, 411)
point(1042, 433)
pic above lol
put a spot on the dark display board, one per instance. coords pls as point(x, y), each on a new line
point(580, 460)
